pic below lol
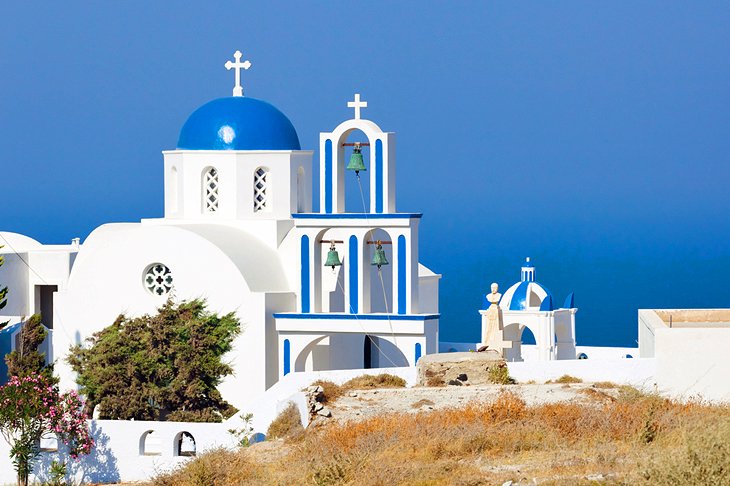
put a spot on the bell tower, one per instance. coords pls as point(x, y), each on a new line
point(380, 167)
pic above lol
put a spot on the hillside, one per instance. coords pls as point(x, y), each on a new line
point(563, 433)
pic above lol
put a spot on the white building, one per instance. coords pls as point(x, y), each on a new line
point(529, 305)
point(239, 231)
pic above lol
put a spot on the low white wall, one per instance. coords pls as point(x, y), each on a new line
point(693, 362)
point(116, 456)
point(635, 372)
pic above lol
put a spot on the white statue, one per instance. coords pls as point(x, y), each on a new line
point(492, 327)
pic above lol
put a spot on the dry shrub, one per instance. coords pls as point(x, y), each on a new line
point(434, 379)
point(605, 384)
point(287, 424)
point(703, 458)
point(332, 391)
point(423, 402)
point(219, 467)
point(499, 375)
point(383, 380)
point(566, 379)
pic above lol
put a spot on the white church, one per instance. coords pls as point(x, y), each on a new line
point(238, 230)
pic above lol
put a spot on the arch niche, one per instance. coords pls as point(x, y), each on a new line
point(334, 163)
point(514, 332)
point(378, 284)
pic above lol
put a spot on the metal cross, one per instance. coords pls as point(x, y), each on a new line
point(357, 104)
point(237, 89)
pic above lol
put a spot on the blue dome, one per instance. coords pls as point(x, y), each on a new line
point(238, 123)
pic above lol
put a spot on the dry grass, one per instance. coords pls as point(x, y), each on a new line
point(566, 380)
point(635, 438)
point(605, 384)
point(287, 424)
point(333, 391)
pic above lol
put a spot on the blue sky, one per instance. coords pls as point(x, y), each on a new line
point(591, 136)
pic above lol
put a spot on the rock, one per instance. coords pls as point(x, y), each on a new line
point(439, 369)
point(596, 477)
point(455, 383)
point(324, 412)
point(507, 483)
point(462, 377)
point(353, 394)
point(481, 349)
point(318, 406)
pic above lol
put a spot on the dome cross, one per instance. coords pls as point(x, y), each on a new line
point(237, 66)
point(357, 104)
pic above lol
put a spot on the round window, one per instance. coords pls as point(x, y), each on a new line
point(158, 279)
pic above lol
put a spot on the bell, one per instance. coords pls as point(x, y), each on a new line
point(333, 259)
point(379, 258)
point(356, 162)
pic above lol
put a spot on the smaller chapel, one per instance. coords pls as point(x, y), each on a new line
point(528, 305)
point(320, 290)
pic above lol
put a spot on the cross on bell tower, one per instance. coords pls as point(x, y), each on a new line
point(237, 66)
point(357, 104)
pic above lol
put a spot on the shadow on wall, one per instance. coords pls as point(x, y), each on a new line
point(98, 467)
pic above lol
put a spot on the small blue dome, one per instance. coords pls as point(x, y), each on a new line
point(238, 123)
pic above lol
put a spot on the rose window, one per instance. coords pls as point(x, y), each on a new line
point(158, 279)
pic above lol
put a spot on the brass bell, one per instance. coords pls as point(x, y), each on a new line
point(333, 259)
point(379, 258)
point(356, 162)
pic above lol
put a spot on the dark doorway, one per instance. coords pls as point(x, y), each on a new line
point(44, 303)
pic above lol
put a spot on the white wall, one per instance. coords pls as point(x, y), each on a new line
point(635, 372)
point(693, 362)
point(116, 456)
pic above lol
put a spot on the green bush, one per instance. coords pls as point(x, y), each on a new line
point(499, 375)
point(161, 367)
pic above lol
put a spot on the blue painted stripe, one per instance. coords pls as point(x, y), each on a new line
point(305, 272)
point(354, 268)
point(357, 216)
point(362, 317)
point(519, 298)
point(287, 356)
point(378, 176)
point(401, 274)
point(418, 352)
point(328, 176)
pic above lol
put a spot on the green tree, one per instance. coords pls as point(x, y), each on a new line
point(165, 366)
point(26, 359)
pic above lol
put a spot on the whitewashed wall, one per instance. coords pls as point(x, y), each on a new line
point(117, 457)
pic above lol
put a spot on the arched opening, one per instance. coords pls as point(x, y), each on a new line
point(386, 354)
point(357, 194)
point(301, 191)
point(582, 356)
point(185, 444)
point(519, 334)
point(379, 285)
point(330, 282)
point(150, 444)
point(368, 352)
point(287, 357)
point(209, 190)
point(417, 353)
point(315, 356)
point(261, 190)
point(527, 337)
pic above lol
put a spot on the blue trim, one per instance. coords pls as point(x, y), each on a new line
point(287, 356)
point(305, 272)
point(401, 274)
point(357, 216)
point(354, 268)
point(328, 176)
point(418, 352)
point(547, 303)
point(519, 297)
point(362, 317)
point(569, 301)
point(378, 176)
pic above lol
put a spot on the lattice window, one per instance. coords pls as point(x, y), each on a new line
point(158, 279)
point(260, 183)
point(210, 190)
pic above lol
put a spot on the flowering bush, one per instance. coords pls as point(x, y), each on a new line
point(31, 407)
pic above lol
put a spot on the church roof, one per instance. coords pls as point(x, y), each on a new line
point(238, 123)
point(526, 294)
